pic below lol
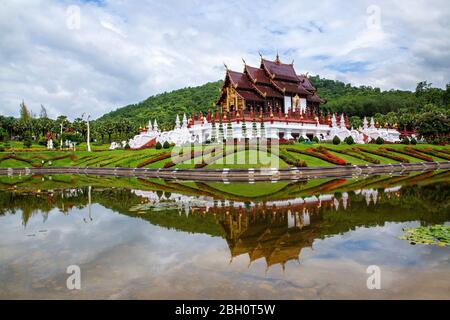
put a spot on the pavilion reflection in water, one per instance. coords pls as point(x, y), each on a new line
point(274, 230)
point(275, 226)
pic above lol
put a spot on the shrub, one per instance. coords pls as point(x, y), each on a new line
point(379, 140)
point(301, 139)
point(127, 146)
point(336, 140)
point(413, 141)
point(42, 142)
point(315, 139)
point(405, 140)
point(27, 143)
point(349, 140)
point(166, 145)
point(2, 148)
point(158, 146)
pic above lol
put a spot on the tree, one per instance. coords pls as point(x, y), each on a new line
point(433, 124)
point(24, 112)
point(43, 113)
point(355, 122)
point(349, 140)
point(379, 140)
point(158, 145)
point(336, 140)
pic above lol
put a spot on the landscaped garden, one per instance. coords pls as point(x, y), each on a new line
point(216, 156)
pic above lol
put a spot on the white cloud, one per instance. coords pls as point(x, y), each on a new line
point(125, 51)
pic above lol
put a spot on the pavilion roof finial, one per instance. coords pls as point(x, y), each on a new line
point(260, 54)
point(244, 62)
point(277, 59)
point(225, 65)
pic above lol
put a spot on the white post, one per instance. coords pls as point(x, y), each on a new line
point(88, 142)
point(60, 137)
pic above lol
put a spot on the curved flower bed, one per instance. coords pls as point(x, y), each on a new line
point(159, 157)
point(320, 153)
point(295, 163)
point(14, 157)
point(384, 153)
point(412, 153)
point(435, 153)
point(355, 153)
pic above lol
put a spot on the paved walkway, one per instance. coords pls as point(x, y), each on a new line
point(248, 175)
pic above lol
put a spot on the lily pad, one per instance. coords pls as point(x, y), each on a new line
point(434, 235)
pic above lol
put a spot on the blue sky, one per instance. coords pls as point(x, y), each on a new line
point(121, 52)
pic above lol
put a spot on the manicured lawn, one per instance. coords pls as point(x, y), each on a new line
point(242, 159)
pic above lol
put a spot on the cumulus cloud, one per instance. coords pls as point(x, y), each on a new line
point(122, 51)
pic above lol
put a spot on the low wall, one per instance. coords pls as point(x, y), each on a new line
point(247, 175)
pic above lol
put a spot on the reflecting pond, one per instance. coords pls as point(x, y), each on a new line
point(136, 238)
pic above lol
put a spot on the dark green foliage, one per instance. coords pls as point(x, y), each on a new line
point(315, 139)
point(42, 142)
point(2, 148)
point(413, 141)
point(27, 143)
point(336, 140)
point(405, 140)
point(301, 139)
point(158, 146)
point(166, 145)
point(379, 140)
point(165, 106)
point(349, 140)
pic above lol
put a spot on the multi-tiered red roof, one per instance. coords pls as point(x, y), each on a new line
point(267, 87)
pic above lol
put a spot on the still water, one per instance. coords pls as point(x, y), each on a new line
point(146, 238)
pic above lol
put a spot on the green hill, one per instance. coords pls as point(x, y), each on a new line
point(399, 106)
point(165, 106)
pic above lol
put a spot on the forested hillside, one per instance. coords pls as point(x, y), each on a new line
point(165, 106)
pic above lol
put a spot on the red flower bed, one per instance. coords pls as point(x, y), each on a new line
point(321, 153)
point(412, 153)
point(356, 153)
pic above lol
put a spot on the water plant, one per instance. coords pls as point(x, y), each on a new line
point(433, 235)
